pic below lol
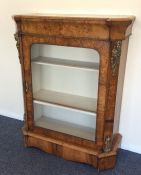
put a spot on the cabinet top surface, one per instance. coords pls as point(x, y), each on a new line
point(44, 16)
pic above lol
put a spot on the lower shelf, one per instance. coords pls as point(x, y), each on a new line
point(66, 127)
point(67, 100)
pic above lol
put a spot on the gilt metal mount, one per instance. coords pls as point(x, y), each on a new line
point(115, 58)
point(16, 35)
point(107, 144)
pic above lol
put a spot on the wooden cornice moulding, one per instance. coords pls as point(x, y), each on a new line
point(94, 27)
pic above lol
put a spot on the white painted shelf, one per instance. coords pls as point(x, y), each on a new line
point(66, 127)
point(64, 62)
point(66, 100)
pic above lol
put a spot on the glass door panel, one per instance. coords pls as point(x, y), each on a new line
point(65, 88)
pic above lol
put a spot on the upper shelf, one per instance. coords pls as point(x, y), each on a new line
point(64, 62)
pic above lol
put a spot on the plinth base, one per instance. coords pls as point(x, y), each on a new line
point(99, 160)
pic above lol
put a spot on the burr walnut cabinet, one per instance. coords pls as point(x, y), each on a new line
point(73, 72)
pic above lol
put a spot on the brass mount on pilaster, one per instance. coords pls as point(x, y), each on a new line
point(17, 38)
point(115, 58)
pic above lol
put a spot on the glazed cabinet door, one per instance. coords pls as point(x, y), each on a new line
point(65, 87)
point(61, 86)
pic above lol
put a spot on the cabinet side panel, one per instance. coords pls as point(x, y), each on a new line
point(120, 84)
point(26, 45)
point(117, 62)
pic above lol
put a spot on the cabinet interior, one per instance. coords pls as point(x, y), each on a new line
point(65, 88)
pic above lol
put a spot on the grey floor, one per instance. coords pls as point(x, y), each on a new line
point(15, 159)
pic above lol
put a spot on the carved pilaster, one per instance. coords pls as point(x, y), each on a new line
point(16, 35)
point(115, 58)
